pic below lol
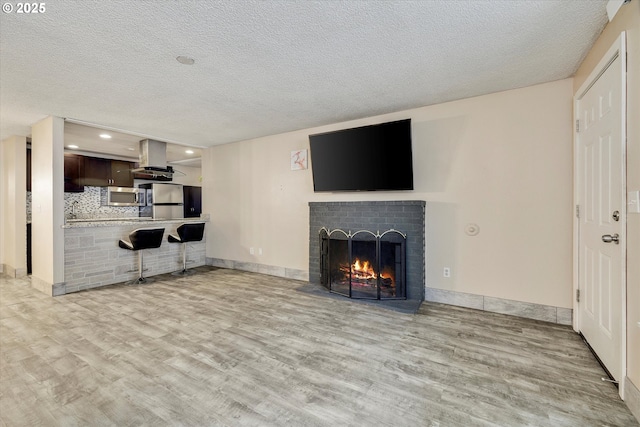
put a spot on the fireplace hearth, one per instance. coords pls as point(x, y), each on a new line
point(364, 264)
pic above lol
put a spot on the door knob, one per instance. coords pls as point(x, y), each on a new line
point(608, 238)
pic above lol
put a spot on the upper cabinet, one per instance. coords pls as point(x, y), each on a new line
point(73, 168)
point(90, 171)
point(105, 172)
point(121, 175)
point(97, 172)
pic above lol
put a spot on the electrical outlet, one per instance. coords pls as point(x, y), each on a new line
point(252, 251)
point(446, 272)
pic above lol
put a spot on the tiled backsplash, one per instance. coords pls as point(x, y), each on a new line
point(89, 206)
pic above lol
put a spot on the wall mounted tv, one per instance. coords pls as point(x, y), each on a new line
point(368, 158)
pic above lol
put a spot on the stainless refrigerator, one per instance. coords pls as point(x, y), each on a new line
point(164, 201)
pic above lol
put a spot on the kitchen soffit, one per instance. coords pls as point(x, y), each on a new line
point(123, 145)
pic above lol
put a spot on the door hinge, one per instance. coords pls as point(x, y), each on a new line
point(577, 295)
point(577, 211)
point(577, 125)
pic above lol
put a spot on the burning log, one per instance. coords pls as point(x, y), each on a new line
point(387, 282)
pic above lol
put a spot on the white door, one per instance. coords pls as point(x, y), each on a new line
point(601, 198)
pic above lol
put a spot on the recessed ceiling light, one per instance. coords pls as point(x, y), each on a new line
point(105, 136)
point(185, 60)
point(72, 146)
point(131, 149)
point(189, 151)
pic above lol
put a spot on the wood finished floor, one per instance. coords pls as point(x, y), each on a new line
point(230, 348)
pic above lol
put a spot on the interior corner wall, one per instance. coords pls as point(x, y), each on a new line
point(502, 161)
point(3, 195)
point(13, 195)
point(47, 198)
point(627, 19)
point(192, 175)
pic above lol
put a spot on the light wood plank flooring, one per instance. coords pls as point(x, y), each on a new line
point(230, 348)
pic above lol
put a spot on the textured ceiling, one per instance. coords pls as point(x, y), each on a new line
point(266, 67)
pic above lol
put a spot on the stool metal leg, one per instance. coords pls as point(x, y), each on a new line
point(184, 271)
point(141, 268)
point(141, 280)
point(184, 257)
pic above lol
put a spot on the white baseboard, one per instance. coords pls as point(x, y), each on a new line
point(271, 270)
point(632, 398)
point(10, 271)
point(527, 310)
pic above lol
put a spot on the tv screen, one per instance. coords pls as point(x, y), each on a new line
point(367, 158)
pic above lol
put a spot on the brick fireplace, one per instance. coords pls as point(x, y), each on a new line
point(405, 218)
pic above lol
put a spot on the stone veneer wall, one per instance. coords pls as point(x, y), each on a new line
point(92, 257)
point(405, 216)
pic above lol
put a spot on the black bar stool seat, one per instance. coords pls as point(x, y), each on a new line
point(187, 232)
point(140, 239)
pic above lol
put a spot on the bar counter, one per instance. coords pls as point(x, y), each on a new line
point(92, 257)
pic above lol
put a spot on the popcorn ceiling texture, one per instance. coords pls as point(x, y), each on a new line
point(264, 68)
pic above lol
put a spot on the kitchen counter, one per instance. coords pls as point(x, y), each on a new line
point(140, 221)
point(92, 257)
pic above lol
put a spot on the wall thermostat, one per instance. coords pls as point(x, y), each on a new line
point(472, 229)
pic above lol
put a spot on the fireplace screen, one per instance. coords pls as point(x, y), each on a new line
point(363, 264)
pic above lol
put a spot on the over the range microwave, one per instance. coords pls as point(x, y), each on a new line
point(122, 196)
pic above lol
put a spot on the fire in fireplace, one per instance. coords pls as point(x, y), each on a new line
point(363, 264)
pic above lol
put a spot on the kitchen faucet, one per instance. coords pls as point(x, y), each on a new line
point(73, 208)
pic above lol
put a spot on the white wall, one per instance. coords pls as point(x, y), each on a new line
point(502, 161)
point(192, 175)
point(13, 218)
point(47, 193)
point(3, 195)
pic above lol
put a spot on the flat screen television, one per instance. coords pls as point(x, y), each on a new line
point(368, 158)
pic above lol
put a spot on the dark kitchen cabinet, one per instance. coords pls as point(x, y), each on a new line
point(192, 201)
point(97, 172)
point(106, 173)
point(28, 169)
point(29, 269)
point(121, 175)
point(73, 167)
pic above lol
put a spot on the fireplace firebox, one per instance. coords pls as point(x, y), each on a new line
point(364, 264)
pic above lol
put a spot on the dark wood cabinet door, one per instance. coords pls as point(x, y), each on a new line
point(28, 169)
point(73, 166)
point(192, 201)
point(29, 269)
point(97, 172)
point(121, 175)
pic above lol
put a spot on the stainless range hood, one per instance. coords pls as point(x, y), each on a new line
point(153, 162)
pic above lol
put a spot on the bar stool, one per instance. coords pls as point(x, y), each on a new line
point(140, 239)
point(187, 232)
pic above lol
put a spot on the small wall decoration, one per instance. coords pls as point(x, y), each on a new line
point(298, 160)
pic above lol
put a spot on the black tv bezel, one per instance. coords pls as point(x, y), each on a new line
point(408, 158)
